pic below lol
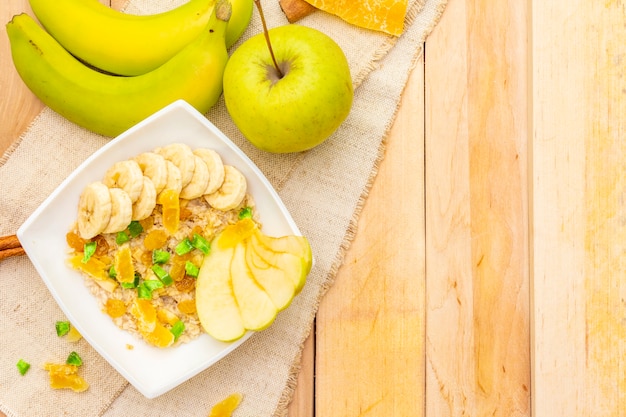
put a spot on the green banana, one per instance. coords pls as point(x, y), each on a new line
point(126, 44)
point(110, 104)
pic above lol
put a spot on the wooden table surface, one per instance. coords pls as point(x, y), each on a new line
point(497, 285)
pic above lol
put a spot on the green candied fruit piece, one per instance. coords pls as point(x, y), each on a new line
point(160, 256)
point(74, 359)
point(185, 246)
point(245, 213)
point(22, 366)
point(192, 269)
point(163, 275)
point(135, 228)
point(121, 238)
point(88, 251)
point(62, 327)
point(200, 243)
point(177, 329)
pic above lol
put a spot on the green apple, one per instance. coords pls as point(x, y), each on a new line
point(298, 107)
point(296, 245)
point(255, 306)
point(280, 288)
point(216, 305)
point(294, 267)
point(247, 278)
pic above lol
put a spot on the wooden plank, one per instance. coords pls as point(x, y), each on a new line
point(477, 211)
point(18, 106)
point(579, 206)
point(370, 326)
point(303, 400)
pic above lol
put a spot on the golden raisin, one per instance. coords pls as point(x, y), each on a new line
point(181, 259)
point(115, 308)
point(102, 246)
point(185, 213)
point(155, 239)
point(147, 223)
point(75, 242)
point(146, 258)
point(186, 284)
point(187, 306)
point(177, 271)
point(195, 230)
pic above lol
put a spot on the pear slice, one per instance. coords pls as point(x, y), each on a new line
point(256, 307)
point(273, 280)
point(295, 267)
point(215, 302)
point(296, 245)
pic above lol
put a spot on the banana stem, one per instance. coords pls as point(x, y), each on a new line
point(267, 38)
point(223, 10)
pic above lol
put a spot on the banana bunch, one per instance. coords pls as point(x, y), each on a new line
point(130, 189)
point(126, 44)
point(109, 104)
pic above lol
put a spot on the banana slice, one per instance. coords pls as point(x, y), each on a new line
point(94, 210)
point(153, 165)
point(198, 182)
point(121, 211)
point(232, 191)
point(126, 175)
point(216, 168)
point(143, 207)
point(180, 155)
point(174, 181)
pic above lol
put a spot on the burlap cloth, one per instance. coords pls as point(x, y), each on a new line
point(324, 189)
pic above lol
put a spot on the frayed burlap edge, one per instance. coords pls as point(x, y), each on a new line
point(114, 397)
point(7, 154)
point(288, 392)
point(4, 410)
point(389, 43)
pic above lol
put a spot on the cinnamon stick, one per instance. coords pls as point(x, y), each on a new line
point(10, 246)
point(7, 253)
point(296, 9)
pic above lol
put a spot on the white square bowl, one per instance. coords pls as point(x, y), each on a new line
point(43, 238)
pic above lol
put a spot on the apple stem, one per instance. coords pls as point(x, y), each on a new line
point(267, 37)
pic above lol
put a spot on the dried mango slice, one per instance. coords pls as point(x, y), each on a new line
point(94, 267)
point(145, 314)
point(65, 376)
point(226, 407)
point(155, 239)
point(166, 316)
point(123, 264)
point(235, 233)
point(73, 335)
point(115, 308)
point(160, 336)
point(380, 15)
point(171, 209)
